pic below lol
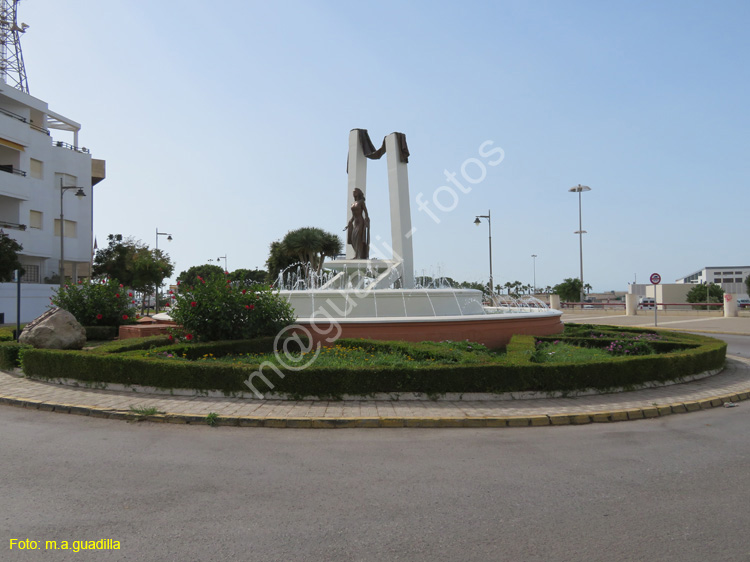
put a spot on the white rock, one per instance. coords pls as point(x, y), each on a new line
point(55, 329)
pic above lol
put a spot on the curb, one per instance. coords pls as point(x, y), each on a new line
point(583, 418)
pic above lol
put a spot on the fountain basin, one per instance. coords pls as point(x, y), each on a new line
point(416, 315)
point(492, 330)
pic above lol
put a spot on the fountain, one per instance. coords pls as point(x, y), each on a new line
point(359, 297)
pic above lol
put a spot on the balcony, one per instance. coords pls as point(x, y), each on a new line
point(24, 120)
point(9, 169)
point(14, 185)
point(61, 144)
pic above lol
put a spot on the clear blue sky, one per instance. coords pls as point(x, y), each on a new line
point(226, 125)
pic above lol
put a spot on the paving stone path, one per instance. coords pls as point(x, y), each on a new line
point(728, 388)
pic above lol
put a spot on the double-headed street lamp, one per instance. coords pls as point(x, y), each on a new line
point(477, 222)
point(580, 232)
point(79, 194)
point(533, 257)
point(169, 239)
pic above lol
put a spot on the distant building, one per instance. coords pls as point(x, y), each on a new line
point(33, 167)
point(731, 278)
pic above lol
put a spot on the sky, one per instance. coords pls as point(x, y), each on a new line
point(226, 125)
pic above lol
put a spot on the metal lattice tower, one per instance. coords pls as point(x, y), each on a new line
point(12, 69)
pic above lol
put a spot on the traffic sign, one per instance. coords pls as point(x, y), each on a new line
point(655, 278)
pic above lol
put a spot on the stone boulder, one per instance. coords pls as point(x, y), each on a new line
point(55, 329)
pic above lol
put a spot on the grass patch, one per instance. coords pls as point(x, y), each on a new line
point(560, 353)
point(143, 411)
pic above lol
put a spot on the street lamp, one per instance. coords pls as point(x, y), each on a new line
point(79, 194)
point(477, 222)
point(580, 232)
point(533, 257)
point(169, 239)
point(218, 260)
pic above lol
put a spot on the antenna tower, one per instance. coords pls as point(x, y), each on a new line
point(12, 69)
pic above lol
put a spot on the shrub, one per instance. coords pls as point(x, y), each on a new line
point(100, 333)
point(97, 303)
point(9, 355)
point(216, 309)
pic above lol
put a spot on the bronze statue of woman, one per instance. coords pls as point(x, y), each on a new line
point(358, 229)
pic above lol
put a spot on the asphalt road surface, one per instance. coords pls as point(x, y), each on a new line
point(666, 489)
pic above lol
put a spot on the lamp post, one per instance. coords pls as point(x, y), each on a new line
point(218, 260)
point(79, 194)
point(477, 222)
point(169, 239)
point(533, 257)
point(580, 232)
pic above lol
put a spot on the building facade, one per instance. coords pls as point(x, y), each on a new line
point(731, 278)
point(40, 155)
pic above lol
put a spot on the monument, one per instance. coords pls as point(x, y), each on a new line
point(377, 298)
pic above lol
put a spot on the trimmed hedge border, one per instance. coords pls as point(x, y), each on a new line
point(122, 363)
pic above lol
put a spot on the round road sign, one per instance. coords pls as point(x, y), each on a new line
point(655, 278)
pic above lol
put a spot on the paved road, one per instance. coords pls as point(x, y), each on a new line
point(672, 488)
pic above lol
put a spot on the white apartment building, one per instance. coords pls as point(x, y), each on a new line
point(39, 155)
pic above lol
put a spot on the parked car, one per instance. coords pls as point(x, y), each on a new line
point(646, 303)
point(743, 303)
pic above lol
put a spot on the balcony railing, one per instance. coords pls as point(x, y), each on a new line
point(8, 168)
point(13, 225)
point(23, 119)
point(62, 144)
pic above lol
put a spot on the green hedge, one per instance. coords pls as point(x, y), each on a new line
point(519, 375)
point(100, 333)
point(9, 355)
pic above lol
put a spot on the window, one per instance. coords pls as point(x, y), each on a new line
point(37, 169)
point(31, 274)
point(71, 228)
point(35, 219)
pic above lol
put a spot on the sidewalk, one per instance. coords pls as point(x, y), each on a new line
point(730, 386)
point(739, 325)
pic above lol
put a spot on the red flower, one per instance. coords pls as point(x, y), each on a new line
point(121, 285)
point(130, 294)
point(244, 291)
point(250, 306)
point(188, 337)
point(171, 337)
point(170, 291)
point(117, 295)
point(178, 282)
point(99, 316)
point(193, 304)
point(166, 304)
point(137, 315)
point(124, 316)
point(226, 273)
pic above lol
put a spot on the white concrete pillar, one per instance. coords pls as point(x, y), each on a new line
point(554, 302)
point(730, 305)
point(401, 231)
point(631, 304)
point(357, 177)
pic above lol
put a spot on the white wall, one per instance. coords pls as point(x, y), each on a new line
point(35, 300)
